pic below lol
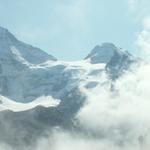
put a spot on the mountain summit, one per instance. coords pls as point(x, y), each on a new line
point(11, 48)
point(6, 36)
point(103, 53)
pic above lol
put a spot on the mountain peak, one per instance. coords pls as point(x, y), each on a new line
point(102, 53)
point(6, 36)
point(3, 29)
point(11, 49)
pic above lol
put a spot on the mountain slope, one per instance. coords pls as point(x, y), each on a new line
point(11, 48)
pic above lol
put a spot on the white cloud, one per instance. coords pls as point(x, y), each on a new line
point(143, 39)
point(143, 44)
point(139, 8)
point(146, 23)
point(122, 118)
point(142, 16)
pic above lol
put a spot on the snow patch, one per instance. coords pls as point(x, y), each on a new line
point(45, 101)
point(18, 56)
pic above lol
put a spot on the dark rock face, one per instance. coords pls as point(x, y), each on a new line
point(119, 63)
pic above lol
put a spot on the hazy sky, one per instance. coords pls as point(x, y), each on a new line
point(69, 29)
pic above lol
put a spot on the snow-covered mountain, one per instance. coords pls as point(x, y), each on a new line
point(15, 50)
point(103, 53)
point(116, 59)
point(47, 91)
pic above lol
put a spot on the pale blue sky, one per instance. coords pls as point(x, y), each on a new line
point(69, 29)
